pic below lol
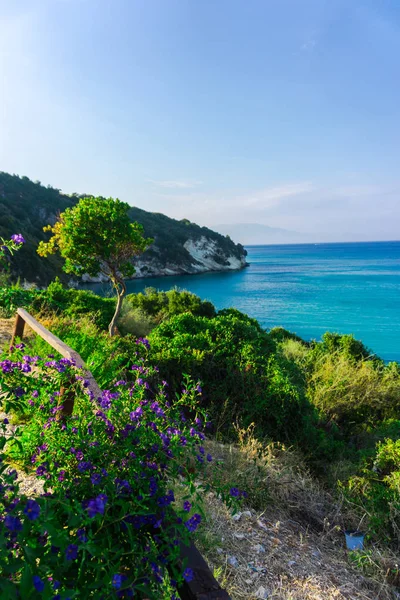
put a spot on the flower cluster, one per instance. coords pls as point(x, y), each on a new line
point(8, 247)
point(109, 474)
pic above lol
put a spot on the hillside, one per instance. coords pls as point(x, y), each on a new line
point(179, 246)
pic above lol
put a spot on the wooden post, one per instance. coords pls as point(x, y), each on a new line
point(203, 586)
point(19, 327)
point(67, 399)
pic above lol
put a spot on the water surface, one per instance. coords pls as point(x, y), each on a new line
point(308, 289)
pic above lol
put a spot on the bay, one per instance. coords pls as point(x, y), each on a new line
point(308, 289)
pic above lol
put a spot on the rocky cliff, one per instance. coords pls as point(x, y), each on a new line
point(179, 247)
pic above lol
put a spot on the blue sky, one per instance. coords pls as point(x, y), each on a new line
point(276, 112)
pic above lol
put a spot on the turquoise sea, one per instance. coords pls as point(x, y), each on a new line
point(309, 289)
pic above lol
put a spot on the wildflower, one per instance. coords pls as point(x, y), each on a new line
point(71, 552)
point(209, 457)
point(6, 421)
point(38, 583)
point(117, 580)
point(188, 574)
point(193, 522)
point(13, 523)
point(97, 505)
point(187, 506)
point(32, 510)
point(18, 239)
point(82, 537)
point(234, 492)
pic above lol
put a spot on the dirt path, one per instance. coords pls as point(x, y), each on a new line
point(259, 556)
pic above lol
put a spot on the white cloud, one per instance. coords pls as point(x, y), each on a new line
point(272, 196)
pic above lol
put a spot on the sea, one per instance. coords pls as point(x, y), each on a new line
point(308, 289)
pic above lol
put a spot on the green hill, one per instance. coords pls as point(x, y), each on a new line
point(179, 246)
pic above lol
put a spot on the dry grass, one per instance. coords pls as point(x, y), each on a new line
point(288, 544)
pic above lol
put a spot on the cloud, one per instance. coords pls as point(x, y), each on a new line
point(175, 184)
point(274, 195)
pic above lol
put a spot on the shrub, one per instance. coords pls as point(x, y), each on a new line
point(354, 392)
point(105, 526)
point(242, 377)
point(376, 491)
point(162, 305)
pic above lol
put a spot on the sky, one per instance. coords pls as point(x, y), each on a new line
point(283, 113)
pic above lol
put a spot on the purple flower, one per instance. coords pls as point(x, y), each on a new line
point(95, 478)
point(32, 510)
point(193, 522)
point(188, 574)
point(187, 506)
point(71, 552)
point(13, 523)
point(17, 238)
point(234, 492)
point(209, 457)
point(6, 421)
point(97, 505)
point(82, 537)
point(38, 583)
point(61, 476)
point(117, 580)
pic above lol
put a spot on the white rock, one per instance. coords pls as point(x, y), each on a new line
point(262, 592)
point(246, 513)
point(233, 561)
point(236, 517)
point(239, 536)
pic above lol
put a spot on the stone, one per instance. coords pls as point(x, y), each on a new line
point(262, 593)
point(233, 561)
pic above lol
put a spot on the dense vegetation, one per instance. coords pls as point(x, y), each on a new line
point(28, 206)
point(332, 401)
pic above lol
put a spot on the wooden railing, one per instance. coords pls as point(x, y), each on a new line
point(203, 586)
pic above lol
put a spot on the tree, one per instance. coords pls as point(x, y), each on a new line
point(96, 236)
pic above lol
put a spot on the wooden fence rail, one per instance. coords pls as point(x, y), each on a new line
point(203, 586)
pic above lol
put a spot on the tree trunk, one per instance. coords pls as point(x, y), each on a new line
point(121, 291)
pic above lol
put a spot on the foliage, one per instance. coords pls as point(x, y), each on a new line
point(354, 392)
point(56, 299)
point(108, 522)
point(242, 376)
point(143, 311)
point(7, 249)
point(96, 236)
point(27, 206)
point(376, 490)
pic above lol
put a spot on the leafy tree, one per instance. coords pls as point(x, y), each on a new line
point(97, 236)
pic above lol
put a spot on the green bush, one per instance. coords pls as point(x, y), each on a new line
point(109, 524)
point(162, 305)
point(376, 491)
point(242, 377)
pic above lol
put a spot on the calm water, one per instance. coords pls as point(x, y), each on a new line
point(309, 289)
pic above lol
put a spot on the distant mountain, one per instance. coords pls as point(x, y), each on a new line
point(179, 246)
point(256, 233)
